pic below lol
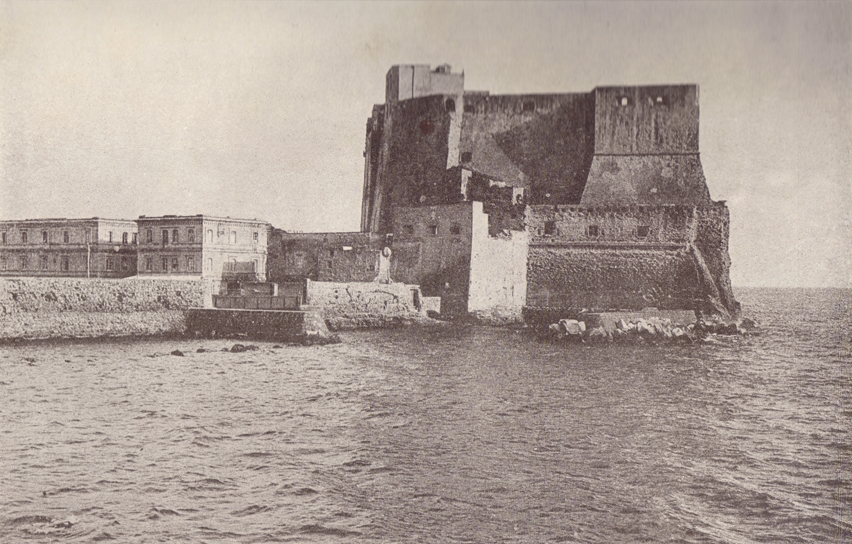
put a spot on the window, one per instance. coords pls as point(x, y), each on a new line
point(593, 231)
point(330, 265)
point(3, 264)
point(23, 237)
point(549, 228)
point(65, 237)
point(64, 264)
point(529, 106)
point(450, 105)
point(408, 230)
point(466, 156)
point(623, 101)
point(134, 239)
point(44, 237)
point(124, 238)
point(149, 264)
point(642, 231)
point(209, 236)
point(331, 253)
point(210, 262)
point(3, 238)
point(110, 236)
point(255, 236)
point(469, 108)
point(125, 264)
point(165, 264)
point(24, 262)
point(233, 237)
point(42, 262)
point(109, 264)
point(175, 236)
point(174, 264)
point(190, 264)
point(88, 235)
point(455, 229)
point(433, 230)
point(190, 236)
point(165, 238)
point(660, 101)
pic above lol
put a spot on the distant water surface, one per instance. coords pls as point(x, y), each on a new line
point(440, 435)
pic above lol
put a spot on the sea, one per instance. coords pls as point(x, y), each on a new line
point(439, 434)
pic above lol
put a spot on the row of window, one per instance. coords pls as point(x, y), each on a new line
point(659, 100)
point(176, 263)
point(594, 231)
point(173, 264)
point(190, 236)
point(66, 237)
point(527, 107)
point(432, 230)
point(111, 263)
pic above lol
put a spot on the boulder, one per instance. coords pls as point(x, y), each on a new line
point(571, 327)
point(598, 335)
point(177, 353)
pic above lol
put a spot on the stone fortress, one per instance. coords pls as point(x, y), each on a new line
point(549, 202)
point(503, 207)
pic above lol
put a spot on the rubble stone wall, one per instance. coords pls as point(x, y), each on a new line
point(32, 308)
point(357, 305)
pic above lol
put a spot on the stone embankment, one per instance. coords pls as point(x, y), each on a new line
point(653, 330)
point(367, 305)
point(39, 308)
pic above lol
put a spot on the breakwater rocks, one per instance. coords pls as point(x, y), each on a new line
point(635, 331)
point(40, 308)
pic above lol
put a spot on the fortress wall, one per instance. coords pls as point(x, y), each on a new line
point(681, 263)
point(646, 120)
point(711, 240)
point(363, 304)
point(342, 257)
point(417, 154)
point(498, 272)
point(616, 225)
point(646, 180)
point(542, 142)
point(79, 308)
point(601, 278)
point(438, 260)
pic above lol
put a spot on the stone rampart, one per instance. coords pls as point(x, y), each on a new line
point(364, 304)
point(32, 308)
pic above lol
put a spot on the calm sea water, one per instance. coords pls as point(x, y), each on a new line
point(463, 435)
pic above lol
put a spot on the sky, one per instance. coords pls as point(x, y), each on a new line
point(258, 109)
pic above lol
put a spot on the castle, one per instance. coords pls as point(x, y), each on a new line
point(555, 202)
point(517, 206)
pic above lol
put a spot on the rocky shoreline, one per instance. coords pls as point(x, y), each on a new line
point(653, 330)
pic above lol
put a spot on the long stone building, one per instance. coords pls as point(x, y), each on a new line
point(553, 202)
point(93, 248)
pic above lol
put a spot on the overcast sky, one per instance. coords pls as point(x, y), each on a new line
point(258, 109)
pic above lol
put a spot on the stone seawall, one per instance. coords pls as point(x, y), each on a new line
point(36, 308)
point(361, 305)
